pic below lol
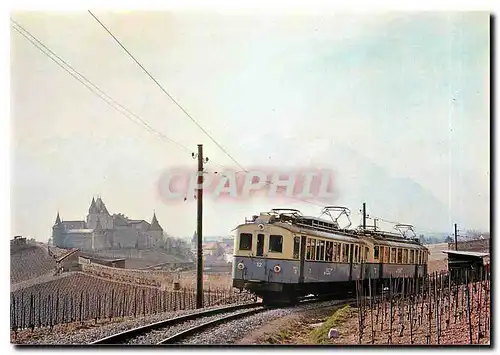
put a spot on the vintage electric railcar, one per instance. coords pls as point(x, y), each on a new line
point(282, 255)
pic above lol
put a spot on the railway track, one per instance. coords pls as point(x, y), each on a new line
point(175, 330)
point(215, 316)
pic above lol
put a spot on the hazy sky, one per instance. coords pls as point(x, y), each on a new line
point(406, 93)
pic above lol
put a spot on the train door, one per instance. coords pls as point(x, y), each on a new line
point(302, 257)
point(259, 269)
point(260, 245)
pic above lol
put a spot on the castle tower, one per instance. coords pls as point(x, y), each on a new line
point(155, 233)
point(98, 211)
point(58, 232)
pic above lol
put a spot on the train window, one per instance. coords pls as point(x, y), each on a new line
point(344, 253)
point(387, 252)
point(412, 259)
point(367, 252)
point(276, 243)
point(376, 253)
point(355, 254)
point(338, 253)
point(329, 251)
point(308, 249)
point(400, 256)
point(405, 256)
point(320, 250)
point(419, 257)
point(245, 241)
point(393, 255)
point(296, 247)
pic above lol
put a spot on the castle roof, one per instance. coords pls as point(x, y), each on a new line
point(155, 226)
point(100, 206)
point(93, 209)
point(58, 219)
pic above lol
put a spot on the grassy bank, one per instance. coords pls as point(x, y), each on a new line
point(320, 334)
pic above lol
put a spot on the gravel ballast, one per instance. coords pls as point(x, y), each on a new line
point(71, 335)
point(232, 331)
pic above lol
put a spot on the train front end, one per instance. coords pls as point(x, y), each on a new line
point(263, 261)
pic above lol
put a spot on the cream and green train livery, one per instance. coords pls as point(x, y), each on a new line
point(283, 254)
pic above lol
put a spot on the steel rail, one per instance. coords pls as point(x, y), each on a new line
point(121, 337)
point(201, 327)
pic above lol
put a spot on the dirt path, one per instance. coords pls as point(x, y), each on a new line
point(301, 328)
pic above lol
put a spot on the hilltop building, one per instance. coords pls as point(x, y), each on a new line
point(103, 231)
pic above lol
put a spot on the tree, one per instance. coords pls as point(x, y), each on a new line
point(448, 239)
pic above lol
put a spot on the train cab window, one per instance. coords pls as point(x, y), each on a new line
point(400, 256)
point(419, 257)
point(367, 253)
point(245, 241)
point(296, 247)
point(405, 256)
point(329, 251)
point(412, 257)
point(393, 255)
point(376, 253)
point(276, 243)
point(387, 252)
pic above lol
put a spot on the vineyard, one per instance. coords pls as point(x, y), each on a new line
point(30, 262)
point(443, 309)
point(81, 297)
point(157, 278)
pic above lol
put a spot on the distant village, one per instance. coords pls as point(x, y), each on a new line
point(217, 254)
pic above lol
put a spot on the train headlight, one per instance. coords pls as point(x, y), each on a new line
point(277, 269)
point(241, 266)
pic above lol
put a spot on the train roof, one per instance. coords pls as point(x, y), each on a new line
point(294, 221)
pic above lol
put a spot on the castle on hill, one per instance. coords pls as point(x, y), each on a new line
point(102, 231)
